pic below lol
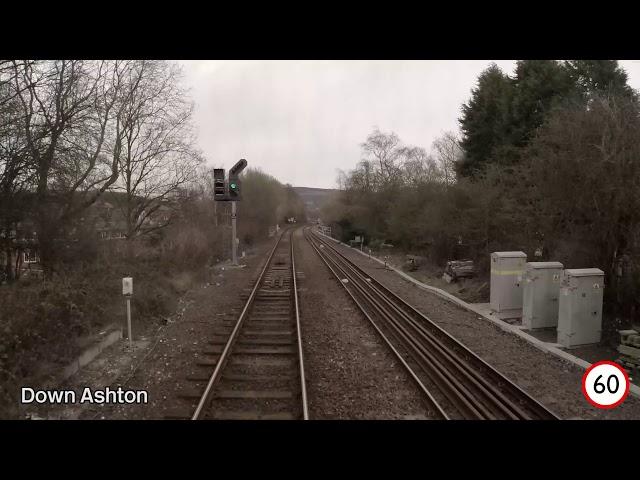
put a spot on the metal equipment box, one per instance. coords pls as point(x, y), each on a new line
point(506, 281)
point(580, 311)
point(540, 297)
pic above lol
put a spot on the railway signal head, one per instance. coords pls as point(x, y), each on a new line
point(219, 191)
point(234, 179)
point(234, 188)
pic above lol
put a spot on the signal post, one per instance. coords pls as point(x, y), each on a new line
point(229, 192)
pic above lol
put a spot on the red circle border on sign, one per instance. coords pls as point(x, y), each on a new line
point(584, 381)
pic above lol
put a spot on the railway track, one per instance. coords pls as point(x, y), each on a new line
point(258, 366)
point(457, 384)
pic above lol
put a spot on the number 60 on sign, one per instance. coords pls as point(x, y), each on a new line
point(605, 384)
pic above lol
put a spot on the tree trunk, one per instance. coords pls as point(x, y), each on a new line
point(46, 252)
point(8, 268)
point(18, 264)
point(47, 230)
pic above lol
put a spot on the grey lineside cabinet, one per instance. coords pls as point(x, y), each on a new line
point(541, 292)
point(507, 269)
point(580, 310)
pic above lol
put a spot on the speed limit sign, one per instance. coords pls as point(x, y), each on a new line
point(605, 384)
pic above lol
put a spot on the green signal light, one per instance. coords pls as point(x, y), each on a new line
point(233, 185)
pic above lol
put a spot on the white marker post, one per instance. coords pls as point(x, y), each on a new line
point(127, 291)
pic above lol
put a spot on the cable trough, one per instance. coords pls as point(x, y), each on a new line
point(457, 384)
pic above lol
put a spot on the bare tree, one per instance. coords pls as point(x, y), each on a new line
point(448, 154)
point(67, 111)
point(419, 167)
point(15, 169)
point(384, 150)
point(158, 155)
point(584, 169)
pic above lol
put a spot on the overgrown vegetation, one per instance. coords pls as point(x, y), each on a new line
point(548, 160)
point(41, 320)
point(266, 202)
point(84, 143)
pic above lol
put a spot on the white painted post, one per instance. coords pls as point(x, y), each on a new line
point(127, 291)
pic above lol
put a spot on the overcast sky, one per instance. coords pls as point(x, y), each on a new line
point(302, 121)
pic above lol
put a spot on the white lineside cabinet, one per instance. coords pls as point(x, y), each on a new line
point(580, 311)
point(506, 281)
point(540, 297)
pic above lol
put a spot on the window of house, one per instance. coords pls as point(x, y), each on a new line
point(30, 256)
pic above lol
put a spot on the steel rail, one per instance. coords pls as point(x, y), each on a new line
point(432, 401)
point(392, 307)
point(539, 409)
point(427, 362)
point(457, 392)
point(303, 387)
point(536, 407)
point(204, 400)
point(501, 404)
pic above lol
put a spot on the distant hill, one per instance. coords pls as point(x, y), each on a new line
point(314, 198)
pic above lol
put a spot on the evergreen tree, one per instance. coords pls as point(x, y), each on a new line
point(504, 113)
point(484, 119)
point(594, 77)
point(539, 86)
